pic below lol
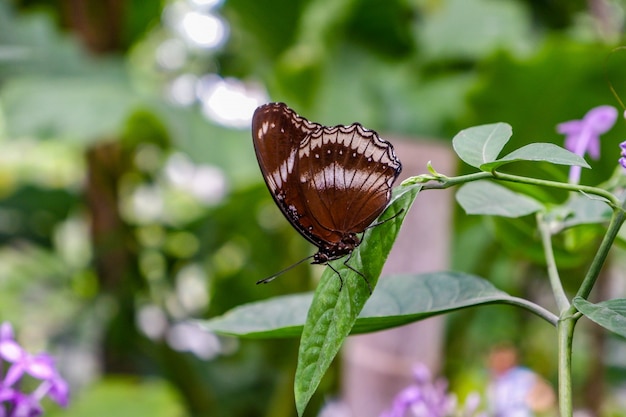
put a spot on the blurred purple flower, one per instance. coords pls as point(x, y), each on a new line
point(583, 136)
point(424, 398)
point(14, 403)
point(622, 160)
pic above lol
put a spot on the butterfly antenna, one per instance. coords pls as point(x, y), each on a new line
point(272, 277)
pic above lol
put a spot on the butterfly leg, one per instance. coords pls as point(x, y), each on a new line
point(338, 274)
point(369, 286)
point(384, 221)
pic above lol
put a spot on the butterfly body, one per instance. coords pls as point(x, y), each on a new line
point(331, 183)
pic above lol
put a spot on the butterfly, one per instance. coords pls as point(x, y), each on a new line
point(331, 183)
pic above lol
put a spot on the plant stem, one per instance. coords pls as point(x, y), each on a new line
point(568, 313)
point(533, 308)
point(617, 219)
point(446, 182)
point(553, 273)
point(611, 199)
point(565, 331)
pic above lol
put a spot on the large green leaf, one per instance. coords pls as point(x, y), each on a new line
point(609, 314)
point(584, 209)
point(126, 396)
point(486, 197)
point(547, 152)
point(77, 108)
point(479, 145)
point(397, 300)
point(338, 300)
point(282, 316)
point(473, 29)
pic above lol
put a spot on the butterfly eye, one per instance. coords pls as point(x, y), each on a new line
point(331, 183)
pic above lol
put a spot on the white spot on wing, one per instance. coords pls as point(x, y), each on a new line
point(345, 181)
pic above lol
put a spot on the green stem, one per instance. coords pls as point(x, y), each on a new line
point(553, 273)
point(569, 315)
point(443, 182)
point(612, 200)
point(617, 219)
point(446, 182)
point(533, 308)
point(565, 330)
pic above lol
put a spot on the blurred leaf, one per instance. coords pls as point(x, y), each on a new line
point(270, 29)
point(335, 307)
point(31, 44)
point(282, 316)
point(537, 86)
point(139, 16)
point(481, 144)
point(473, 29)
point(488, 198)
point(127, 397)
point(207, 143)
point(384, 27)
point(300, 67)
point(547, 152)
point(144, 127)
point(585, 210)
point(609, 314)
point(388, 96)
point(398, 300)
point(81, 109)
point(33, 213)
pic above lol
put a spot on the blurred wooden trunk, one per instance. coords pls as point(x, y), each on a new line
point(377, 366)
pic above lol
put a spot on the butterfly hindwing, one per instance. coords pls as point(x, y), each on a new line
point(346, 177)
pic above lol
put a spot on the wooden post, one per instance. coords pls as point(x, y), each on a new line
point(377, 366)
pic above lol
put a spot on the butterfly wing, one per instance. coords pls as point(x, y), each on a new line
point(347, 173)
point(277, 133)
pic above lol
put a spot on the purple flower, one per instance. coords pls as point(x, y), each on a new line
point(583, 136)
point(14, 403)
point(622, 160)
point(428, 398)
point(424, 398)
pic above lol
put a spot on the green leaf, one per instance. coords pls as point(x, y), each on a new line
point(609, 314)
point(481, 144)
point(334, 308)
point(398, 300)
point(473, 29)
point(78, 108)
point(485, 197)
point(281, 316)
point(127, 396)
point(547, 152)
point(585, 210)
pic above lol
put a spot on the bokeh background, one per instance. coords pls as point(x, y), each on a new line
point(131, 201)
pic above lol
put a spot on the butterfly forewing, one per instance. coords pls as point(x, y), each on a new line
point(330, 182)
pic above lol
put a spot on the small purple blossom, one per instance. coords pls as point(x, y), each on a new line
point(622, 146)
point(622, 160)
point(583, 136)
point(428, 398)
point(13, 402)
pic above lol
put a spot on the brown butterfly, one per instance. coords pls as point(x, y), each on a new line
point(329, 182)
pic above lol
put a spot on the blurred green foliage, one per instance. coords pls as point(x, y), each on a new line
point(93, 231)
